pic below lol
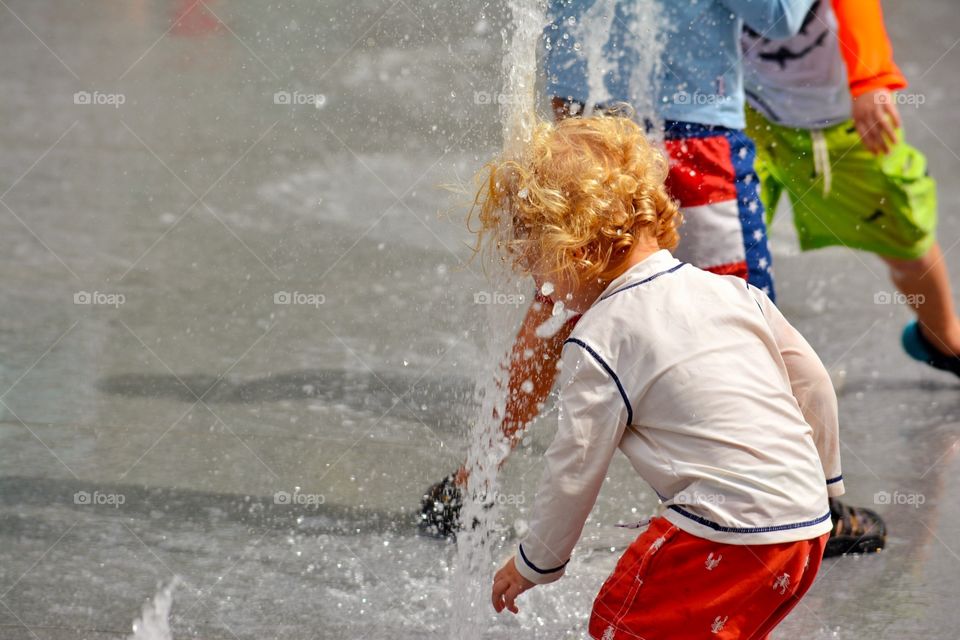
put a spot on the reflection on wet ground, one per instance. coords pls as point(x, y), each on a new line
point(201, 508)
point(404, 396)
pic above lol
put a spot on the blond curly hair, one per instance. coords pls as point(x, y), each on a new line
point(582, 194)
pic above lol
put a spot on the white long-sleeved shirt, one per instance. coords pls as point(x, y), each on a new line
point(716, 400)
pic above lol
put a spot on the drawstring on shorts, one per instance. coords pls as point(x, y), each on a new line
point(821, 159)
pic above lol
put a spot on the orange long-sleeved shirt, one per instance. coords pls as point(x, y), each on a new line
point(866, 47)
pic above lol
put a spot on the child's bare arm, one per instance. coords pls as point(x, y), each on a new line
point(813, 389)
point(873, 75)
point(533, 360)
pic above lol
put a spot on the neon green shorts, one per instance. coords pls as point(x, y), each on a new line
point(841, 193)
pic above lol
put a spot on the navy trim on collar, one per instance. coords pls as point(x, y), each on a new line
point(644, 281)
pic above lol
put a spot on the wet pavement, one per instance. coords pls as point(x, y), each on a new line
point(240, 329)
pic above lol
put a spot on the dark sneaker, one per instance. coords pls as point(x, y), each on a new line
point(855, 530)
point(919, 348)
point(440, 509)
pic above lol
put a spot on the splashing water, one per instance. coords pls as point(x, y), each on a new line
point(518, 108)
point(154, 623)
point(647, 25)
point(596, 21)
point(622, 45)
point(488, 447)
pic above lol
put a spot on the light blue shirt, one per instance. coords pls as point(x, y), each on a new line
point(700, 77)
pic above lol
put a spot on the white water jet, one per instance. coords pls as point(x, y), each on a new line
point(592, 32)
point(154, 622)
point(647, 26)
point(488, 447)
point(518, 106)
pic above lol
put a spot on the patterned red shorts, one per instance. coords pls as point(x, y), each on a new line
point(672, 585)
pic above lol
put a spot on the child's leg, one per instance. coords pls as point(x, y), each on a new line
point(803, 585)
point(926, 285)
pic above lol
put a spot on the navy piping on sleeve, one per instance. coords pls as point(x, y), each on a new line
point(779, 527)
point(835, 480)
point(538, 569)
point(644, 281)
point(610, 372)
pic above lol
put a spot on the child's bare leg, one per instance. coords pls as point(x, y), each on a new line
point(926, 284)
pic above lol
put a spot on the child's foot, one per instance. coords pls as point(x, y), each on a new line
point(855, 530)
point(441, 505)
point(920, 348)
point(440, 508)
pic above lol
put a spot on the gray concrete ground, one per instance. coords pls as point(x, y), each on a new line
point(158, 433)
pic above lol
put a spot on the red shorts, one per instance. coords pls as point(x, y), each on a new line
point(674, 585)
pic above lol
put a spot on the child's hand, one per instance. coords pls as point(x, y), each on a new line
point(877, 120)
point(507, 585)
